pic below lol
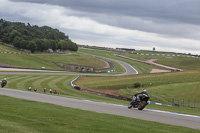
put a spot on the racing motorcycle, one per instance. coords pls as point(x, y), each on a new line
point(139, 104)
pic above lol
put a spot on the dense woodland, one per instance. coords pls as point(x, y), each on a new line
point(34, 38)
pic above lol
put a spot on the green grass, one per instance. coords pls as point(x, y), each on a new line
point(179, 62)
point(8, 49)
point(27, 61)
point(182, 62)
point(24, 116)
point(73, 58)
point(45, 60)
point(60, 83)
point(181, 85)
point(24, 60)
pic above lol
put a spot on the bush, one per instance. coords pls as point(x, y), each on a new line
point(137, 85)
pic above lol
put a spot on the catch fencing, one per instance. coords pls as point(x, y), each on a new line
point(186, 103)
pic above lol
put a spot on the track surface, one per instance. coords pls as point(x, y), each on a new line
point(151, 115)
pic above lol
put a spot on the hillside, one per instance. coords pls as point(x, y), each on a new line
point(162, 87)
point(15, 58)
point(34, 38)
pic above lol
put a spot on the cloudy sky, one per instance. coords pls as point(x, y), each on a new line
point(167, 25)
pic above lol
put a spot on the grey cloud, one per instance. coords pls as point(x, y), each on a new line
point(171, 19)
point(177, 18)
point(185, 11)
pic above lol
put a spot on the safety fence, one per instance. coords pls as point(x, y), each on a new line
point(179, 55)
point(186, 103)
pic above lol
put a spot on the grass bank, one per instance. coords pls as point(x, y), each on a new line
point(162, 87)
point(73, 58)
point(17, 58)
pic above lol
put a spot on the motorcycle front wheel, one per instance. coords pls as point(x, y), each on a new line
point(130, 106)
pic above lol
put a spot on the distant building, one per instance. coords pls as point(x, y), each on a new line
point(50, 50)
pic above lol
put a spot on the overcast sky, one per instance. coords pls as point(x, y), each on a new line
point(167, 25)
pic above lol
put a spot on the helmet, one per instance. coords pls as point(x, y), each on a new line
point(144, 90)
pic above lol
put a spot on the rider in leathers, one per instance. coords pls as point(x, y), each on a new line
point(3, 83)
point(141, 94)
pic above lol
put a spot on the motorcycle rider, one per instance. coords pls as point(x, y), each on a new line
point(139, 95)
point(3, 83)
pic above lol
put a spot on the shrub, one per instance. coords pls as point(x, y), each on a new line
point(137, 85)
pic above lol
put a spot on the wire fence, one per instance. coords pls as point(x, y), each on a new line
point(186, 103)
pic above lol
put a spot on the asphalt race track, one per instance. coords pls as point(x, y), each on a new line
point(151, 115)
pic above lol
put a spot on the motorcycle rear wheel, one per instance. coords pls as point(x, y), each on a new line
point(142, 105)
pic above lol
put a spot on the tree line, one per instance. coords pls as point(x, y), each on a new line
point(34, 38)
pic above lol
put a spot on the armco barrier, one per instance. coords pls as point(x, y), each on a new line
point(192, 56)
point(150, 102)
point(73, 81)
point(108, 95)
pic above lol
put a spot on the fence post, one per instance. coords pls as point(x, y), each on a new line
point(178, 102)
point(194, 104)
point(188, 103)
point(172, 101)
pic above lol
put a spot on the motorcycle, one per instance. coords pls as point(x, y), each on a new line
point(139, 104)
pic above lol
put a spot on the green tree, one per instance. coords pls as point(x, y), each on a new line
point(32, 46)
point(17, 41)
point(61, 44)
point(21, 35)
point(23, 44)
point(13, 34)
point(39, 43)
point(45, 44)
point(53, 44)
